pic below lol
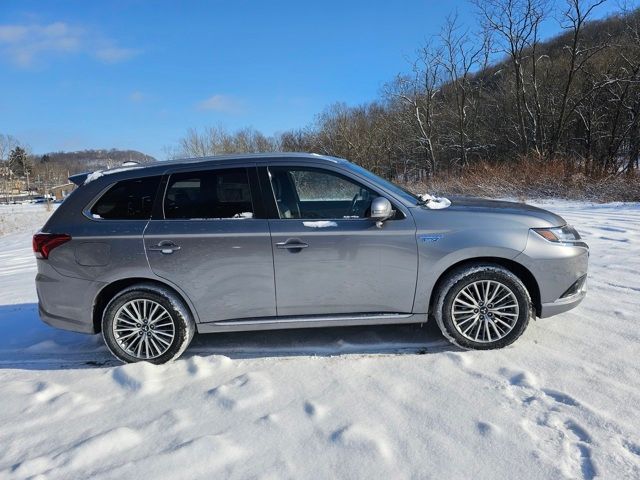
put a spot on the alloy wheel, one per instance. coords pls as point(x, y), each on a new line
point(143, 329)
point(485, 311)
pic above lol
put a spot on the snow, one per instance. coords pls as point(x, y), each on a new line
point(320, 224)
point(28, 217)
point(100, 173)
point(360, 402)
point(435, 203)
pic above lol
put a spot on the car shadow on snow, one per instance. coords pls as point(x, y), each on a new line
point(363, 340)
point(27, 343)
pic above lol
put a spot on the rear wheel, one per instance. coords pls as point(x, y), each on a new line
point(146, 322)
point(483, 307)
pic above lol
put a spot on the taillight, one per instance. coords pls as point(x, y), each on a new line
point(43, 243)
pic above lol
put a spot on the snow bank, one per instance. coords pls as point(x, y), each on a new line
point(24, 217)
point(372, 402)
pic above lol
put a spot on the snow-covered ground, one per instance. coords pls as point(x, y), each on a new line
point(374, 402)
point(15, 218)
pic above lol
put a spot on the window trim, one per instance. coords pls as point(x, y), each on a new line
point(252, 178)
point(275, 215)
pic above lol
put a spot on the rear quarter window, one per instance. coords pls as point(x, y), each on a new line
point(127, 200)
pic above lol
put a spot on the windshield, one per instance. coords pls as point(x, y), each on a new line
point(398, 190)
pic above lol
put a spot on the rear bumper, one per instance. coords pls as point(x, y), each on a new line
point(557, 269)
point(64, 323)
point(65, 302)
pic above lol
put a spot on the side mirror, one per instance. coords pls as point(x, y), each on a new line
point(381, 210)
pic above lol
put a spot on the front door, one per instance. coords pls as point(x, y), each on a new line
point(212, 243)
point(329, 257)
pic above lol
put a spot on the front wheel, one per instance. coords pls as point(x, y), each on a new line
point(146, 322)
point(483, 307)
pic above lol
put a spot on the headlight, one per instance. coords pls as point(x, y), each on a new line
point(566, 234)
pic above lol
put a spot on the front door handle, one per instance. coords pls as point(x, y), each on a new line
point(292, 245)
point(166, 247)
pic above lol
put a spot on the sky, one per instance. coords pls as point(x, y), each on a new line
point(135, 74)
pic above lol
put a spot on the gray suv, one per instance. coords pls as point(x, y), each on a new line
point(148, 255)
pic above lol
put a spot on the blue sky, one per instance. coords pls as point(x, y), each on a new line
point(137, 74)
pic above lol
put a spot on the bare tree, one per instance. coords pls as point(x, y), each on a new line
point(576, 15)
point(217, 141)
point(461, 57)
point(418, 92)
point(7, 143)
point(515, 24)
point(491, 94)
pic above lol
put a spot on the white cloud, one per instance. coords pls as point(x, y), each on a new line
point(23, 43)
point(221, 103)
point(29, 45)
point(115, 54)
point(137, 96)
point(12, 33)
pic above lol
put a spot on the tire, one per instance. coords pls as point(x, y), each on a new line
point(155, 316)
point(468, 321)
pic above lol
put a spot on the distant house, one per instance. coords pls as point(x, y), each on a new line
point(60, 192)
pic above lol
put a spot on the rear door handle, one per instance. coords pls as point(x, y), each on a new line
point(166, 247)
point(291, 245)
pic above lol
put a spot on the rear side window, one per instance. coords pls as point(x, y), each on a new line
point(210, 194)
point(127, 200)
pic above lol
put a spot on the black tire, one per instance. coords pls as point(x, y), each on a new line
point(457, 280)
point(182, 329)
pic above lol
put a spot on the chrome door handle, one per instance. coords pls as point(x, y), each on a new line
point(292, 245)
point(164, 247)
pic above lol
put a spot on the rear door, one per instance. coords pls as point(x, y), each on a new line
point(329, 256)
point(211, 238)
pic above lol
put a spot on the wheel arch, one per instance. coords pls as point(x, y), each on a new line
point(106, 294)
point(519, 270)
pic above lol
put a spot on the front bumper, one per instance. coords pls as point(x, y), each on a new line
point(556, 269)
point(561, 305)
point(566, 301)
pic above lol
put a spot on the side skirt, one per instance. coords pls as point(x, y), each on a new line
point(310, 321)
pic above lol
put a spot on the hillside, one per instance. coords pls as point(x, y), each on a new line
point(54, 168)
point(486, 100)
point(94, 159)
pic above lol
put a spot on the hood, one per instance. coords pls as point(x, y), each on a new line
point(534, 216)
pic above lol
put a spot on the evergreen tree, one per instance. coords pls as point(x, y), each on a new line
point(19, 162)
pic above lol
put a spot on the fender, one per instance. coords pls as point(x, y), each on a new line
point(138, 275)
point(438, 251)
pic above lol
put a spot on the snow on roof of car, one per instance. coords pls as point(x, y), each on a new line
point(99, 173)
point(87, 177)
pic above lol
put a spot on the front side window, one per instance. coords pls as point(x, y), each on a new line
point(127, 200)
point(211, 194)
point(318, 194)
point(397, 189)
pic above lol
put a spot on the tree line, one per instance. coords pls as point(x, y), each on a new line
point(493, 92)
point(20, 169)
